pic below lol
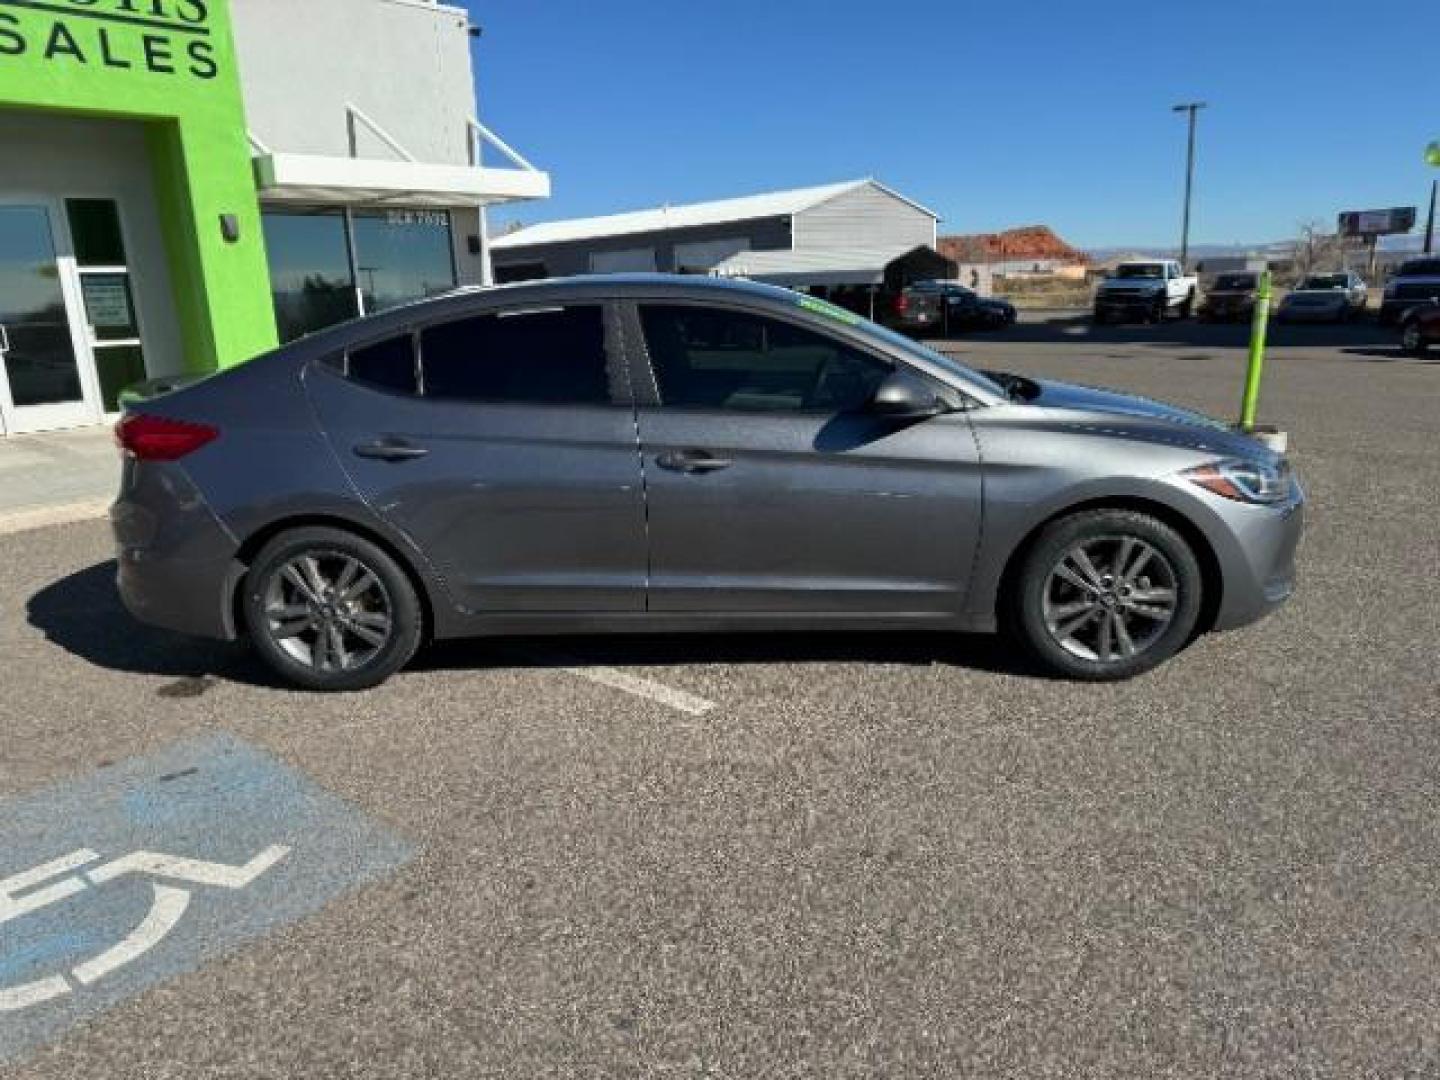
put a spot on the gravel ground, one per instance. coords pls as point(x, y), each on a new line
point(892, 855)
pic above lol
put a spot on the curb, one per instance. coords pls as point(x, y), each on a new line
point(30, 518)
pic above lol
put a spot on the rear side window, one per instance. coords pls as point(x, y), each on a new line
point(710, 358)
point(550, 357)
point(386, 365)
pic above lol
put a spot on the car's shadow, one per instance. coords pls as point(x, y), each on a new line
point(83, 615)
point(1395, 355)
point(1070, 327)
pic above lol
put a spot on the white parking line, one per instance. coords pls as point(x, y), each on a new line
point(165, 913)
point(668, 696)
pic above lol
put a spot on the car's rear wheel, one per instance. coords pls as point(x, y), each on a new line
point(1411, 338)
point(329, 610)
point(1107, 594)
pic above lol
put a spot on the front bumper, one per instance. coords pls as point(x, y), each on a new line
point(1258, 565)
point(1225, 310)
point(1126, 303)
point(1312, 314)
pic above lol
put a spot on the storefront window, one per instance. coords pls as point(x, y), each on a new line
point(402, 255)
point(398, 256)
point(309, 270)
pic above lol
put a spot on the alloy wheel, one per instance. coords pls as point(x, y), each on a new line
point(328, 611)
point(1110, 598)
point(1411, 338)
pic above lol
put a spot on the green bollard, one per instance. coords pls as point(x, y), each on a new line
point(1259, 327)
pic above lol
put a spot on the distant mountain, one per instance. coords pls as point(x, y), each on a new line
point(1409, 242)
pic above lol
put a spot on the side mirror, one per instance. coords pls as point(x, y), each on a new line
point(904, 397)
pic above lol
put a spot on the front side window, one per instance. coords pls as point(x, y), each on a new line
point(711, 358)
point(386, 365)
point(554, 356)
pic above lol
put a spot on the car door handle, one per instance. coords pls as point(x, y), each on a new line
point(390, 450)
point(692, 461)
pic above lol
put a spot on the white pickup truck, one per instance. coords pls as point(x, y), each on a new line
point(1151, 289)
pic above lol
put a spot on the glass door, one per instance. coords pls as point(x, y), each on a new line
point(45, 377)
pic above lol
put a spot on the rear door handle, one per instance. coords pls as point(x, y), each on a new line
point(390, 450)
point(692, 461)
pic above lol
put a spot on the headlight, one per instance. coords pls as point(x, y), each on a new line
point(1244, 481)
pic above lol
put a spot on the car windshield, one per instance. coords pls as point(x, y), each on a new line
point(1140, 270)
point(1324, 281)
point(1420, 268)
point(1235, 281)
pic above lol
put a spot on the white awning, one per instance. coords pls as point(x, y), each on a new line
point(306, 178)
point(831, 266)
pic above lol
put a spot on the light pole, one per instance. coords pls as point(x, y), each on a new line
point(1432, 156)
point(1191, 107)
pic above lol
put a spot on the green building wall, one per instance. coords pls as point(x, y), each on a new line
point(171, 64)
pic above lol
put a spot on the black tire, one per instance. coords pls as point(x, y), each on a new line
point(1188, 306)
point(1158, 311)
point(391, 597)
point(1410, 338)
point(1032, 590)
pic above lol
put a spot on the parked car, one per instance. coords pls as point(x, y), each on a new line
point(1231, 298)
point(1149, 290)
point(664, 454)
point(1331, 297)
point(930, 307)
point(1420, 327)
point(1415, 282)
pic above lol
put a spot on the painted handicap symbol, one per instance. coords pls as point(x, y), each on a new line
point(166, 909)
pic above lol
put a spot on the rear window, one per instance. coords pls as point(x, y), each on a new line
point(554, 356)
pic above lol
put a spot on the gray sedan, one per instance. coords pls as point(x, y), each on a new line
point(616, 454)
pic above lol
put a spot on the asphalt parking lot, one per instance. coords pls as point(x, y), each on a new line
point(761, 857)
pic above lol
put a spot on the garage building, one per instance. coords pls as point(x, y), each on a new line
point(850, 241)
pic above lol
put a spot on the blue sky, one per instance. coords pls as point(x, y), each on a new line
point(994, 115)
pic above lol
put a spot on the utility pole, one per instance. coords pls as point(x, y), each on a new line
point(1191, 107)
point(1430, 219)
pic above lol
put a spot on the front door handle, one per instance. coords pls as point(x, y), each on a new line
point(390, 449)
point(692, 461)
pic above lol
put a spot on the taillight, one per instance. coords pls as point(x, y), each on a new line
point(155, 438)
point(902, 304)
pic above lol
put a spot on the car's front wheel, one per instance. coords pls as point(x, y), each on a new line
point(1107, 594)
point(329, 610)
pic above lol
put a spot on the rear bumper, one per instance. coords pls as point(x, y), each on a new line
point(1259, 568)
point(177, 564)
